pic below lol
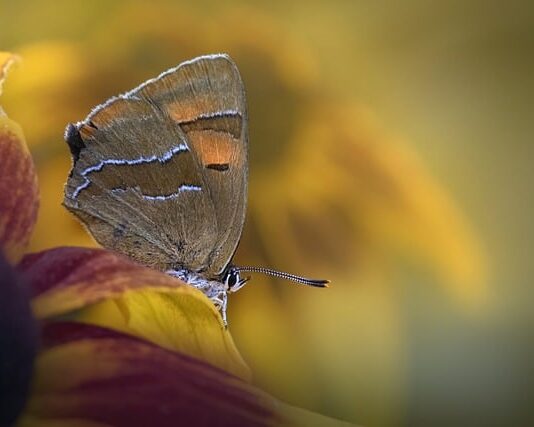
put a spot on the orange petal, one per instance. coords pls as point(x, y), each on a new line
point(19, 199)
point(102, 288)
point(88, 375)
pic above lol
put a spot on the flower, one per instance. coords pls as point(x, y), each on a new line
point(120, 344)
point(332, 192)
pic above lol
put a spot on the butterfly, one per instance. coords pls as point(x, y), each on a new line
point(160, 174)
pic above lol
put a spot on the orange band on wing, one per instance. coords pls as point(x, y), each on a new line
point(215, 148)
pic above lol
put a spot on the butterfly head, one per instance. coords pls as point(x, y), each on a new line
point(233, 280)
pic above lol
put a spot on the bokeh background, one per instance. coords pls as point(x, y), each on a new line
point(390, 151)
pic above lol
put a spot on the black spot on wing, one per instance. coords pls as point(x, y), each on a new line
point(221, 167)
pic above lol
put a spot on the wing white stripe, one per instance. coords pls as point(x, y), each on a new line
point(221, 113)
point(95, 168)
point(182, 189)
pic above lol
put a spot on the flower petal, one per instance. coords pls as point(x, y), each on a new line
point(19, 197)
point(183, 320)
point(374, 189)
point(18, 343)
point(7, 59)
point(88, 374)
point(102, 288)
point(66, 279)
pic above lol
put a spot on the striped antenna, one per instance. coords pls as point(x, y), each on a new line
point(318, 283)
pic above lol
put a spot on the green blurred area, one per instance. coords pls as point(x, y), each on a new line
point(387, 344)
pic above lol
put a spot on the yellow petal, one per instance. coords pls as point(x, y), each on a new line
point(7, 59)
point(183, 320)
point(86, 374)
point(103, 288)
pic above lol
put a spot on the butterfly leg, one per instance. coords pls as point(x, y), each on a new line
point(221, 302)
point(223, 309)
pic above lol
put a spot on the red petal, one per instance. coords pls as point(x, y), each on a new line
point(19, 197)
point(95, 374)
point(66, 279)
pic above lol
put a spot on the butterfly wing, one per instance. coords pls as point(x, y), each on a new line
point(160, 173)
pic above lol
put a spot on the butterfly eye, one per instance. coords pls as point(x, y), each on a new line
point(232, 279)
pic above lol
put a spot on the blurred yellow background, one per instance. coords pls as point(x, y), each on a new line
point(388, 152)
